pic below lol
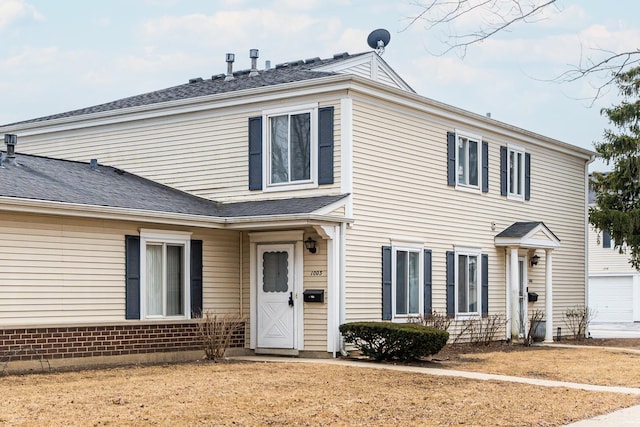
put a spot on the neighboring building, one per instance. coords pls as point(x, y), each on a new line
point(614, 285)
point(327, 178)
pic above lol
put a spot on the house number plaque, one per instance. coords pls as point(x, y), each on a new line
point(317, 273)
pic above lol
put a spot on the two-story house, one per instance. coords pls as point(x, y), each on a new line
point(318, 192)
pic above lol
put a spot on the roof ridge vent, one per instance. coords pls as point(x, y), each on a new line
point(230, 58)
point(341, 55)
point(195, 80)
point(253, 54)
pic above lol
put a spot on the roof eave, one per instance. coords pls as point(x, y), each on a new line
point(13, 204)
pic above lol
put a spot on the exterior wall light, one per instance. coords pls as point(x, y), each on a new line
point(534, 260)
point(310, 244)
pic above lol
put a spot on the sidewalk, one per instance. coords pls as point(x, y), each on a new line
point(624, 417)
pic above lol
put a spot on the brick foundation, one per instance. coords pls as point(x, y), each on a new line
point(21, 344)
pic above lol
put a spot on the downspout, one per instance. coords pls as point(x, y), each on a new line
point(240, 275)
point(586, 234)
point(342, 285)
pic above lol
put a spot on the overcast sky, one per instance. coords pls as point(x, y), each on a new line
point(61, 55)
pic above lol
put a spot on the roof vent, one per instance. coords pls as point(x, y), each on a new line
point(230, 58)
point(267, 65)
point(11, 140)
point(341, 55)
point(195, 80)
point(93, 164)
point(253, 54)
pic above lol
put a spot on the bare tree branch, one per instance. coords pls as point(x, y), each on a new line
point(495, 16)
point(506, 13)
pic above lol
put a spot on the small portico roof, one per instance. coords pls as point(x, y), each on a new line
point(528, 234)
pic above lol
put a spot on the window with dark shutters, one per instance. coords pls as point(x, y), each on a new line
point(451, 284)
point(428, 281)
point(387, 310)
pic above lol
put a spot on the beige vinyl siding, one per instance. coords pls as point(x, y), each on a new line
point(418, 204)
point(61, 270)
point(69, 270)
point(315, 314)
point(203, 153)
point(606, 260)
point(220, 271)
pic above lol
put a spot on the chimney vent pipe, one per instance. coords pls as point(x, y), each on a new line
point(253, 54)
point(230, 58)
point(11, 140)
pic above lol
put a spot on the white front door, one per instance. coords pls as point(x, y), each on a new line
point(275, 323)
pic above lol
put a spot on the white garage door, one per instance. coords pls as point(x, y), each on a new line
point(612, 298)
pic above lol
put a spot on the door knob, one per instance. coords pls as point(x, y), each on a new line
point(290, 299)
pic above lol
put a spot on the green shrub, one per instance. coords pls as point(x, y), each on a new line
point(388, 341)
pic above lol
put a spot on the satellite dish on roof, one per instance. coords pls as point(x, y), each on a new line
point(378, 40)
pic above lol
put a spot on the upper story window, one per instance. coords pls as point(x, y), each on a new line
point(291, 148)
point(515, 173)
point(468, 162)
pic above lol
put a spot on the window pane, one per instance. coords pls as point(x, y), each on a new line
point(512, 172)
point(175, 286)
point(519, 171)
point(473, 163)
point(473, 284)
point(275, 271)
point(300, 147)
point(401, 282)
point(154, 280)
point(414, 285)
point(462, 284)
point(462, 161)
point(279, 149)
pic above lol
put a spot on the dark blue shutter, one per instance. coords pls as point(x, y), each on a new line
point(196, 278)
point(485, 285)
point(527, 176)
point(451, 158)
point(386, 283)
point(255, 153)
point(451, 284)
point(485, 167)
point(606, 239)
point(503, 171)
point(428, 280)
point(132, 277)
point(325, 145)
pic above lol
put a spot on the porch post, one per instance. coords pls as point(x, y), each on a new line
point(548, 296)
point(513, 289)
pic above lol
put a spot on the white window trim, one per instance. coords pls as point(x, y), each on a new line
point(312, 109)
point(411, 247)
point(469, 251)
point(170, 237)
point(469, 136)
point(510, 195)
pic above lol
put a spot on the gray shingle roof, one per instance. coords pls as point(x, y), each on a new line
point(47, 179)
point(282, 73)
point(521, 229)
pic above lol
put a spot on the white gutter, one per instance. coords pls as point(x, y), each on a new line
point(13, 204)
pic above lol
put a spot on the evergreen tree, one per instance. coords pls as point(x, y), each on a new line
point(617, 209)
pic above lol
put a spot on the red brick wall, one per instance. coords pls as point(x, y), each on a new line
point(91, 341)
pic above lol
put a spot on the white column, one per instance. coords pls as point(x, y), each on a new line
point(548, 297)
point(513, 285)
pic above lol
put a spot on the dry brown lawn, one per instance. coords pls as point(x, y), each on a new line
point(314, 394)
point(593, 365)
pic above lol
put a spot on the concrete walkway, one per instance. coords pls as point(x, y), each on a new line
point(625, 417)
